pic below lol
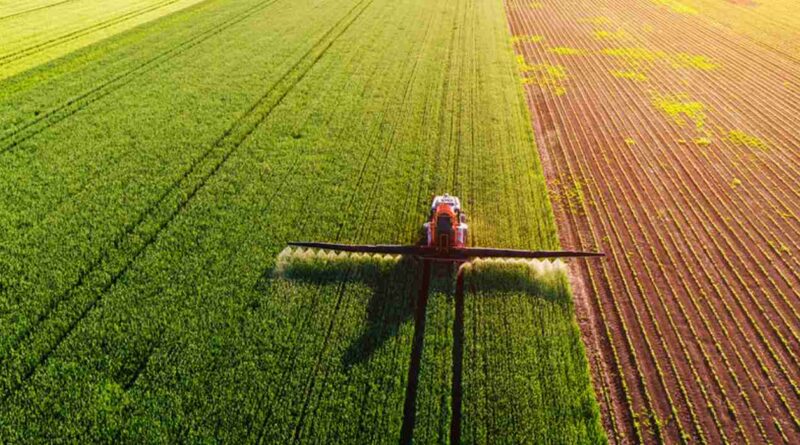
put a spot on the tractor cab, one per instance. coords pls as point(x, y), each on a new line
point(447, 225)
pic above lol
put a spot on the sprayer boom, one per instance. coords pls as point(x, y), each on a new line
point(446, 239)
point(456, 254)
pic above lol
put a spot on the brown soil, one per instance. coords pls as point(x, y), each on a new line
point(684, 137)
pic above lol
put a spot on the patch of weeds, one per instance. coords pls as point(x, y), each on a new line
point(543, 74)
point(630, 75)
point(677, 7)
point(574, 198)
point(566, 51)
point(524, 38)
point(681, 108)
point(633, 53)
point(702, 141)
point(748, 140)
point(619, 34)
point(700, 62)
point(597, 20)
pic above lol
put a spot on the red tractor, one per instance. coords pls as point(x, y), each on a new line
point(446, 240)
point(447, 225)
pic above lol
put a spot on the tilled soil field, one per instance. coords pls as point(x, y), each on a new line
point(671, 142)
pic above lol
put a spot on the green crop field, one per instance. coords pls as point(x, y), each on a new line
point(150, 179)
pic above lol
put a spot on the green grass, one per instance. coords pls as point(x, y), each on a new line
point(525, 359)
point(149, 182)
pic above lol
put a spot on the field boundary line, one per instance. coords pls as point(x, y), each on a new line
point(88, 97)
point(11, 57)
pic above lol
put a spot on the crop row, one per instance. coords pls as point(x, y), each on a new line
point(614, 126)
point(639, 419)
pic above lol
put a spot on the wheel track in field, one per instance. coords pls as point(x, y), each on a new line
point(408, 425)
point(409, 218)
point(153, 346)
point(156, 344)
point(364, 213)
point(502, 315)
point(260, 435)
point(407, 429)
point(361, 227)
point(496, 337)
point(277, 193)
point(458, 101)
point(28, 11)
point(521, 203)
point(444, 152)
point(340, 296)
point(301, 224)
point(412, 380)
point(129, 229)
point(75, 104)
point(458, 360)
point(226, 145)
point(420, 302)
point(14, 56)
point(442, 139)
point(468, 195)
point(295, 333)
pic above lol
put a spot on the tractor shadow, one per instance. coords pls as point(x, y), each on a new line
point(393, 284)
point(399, 292)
